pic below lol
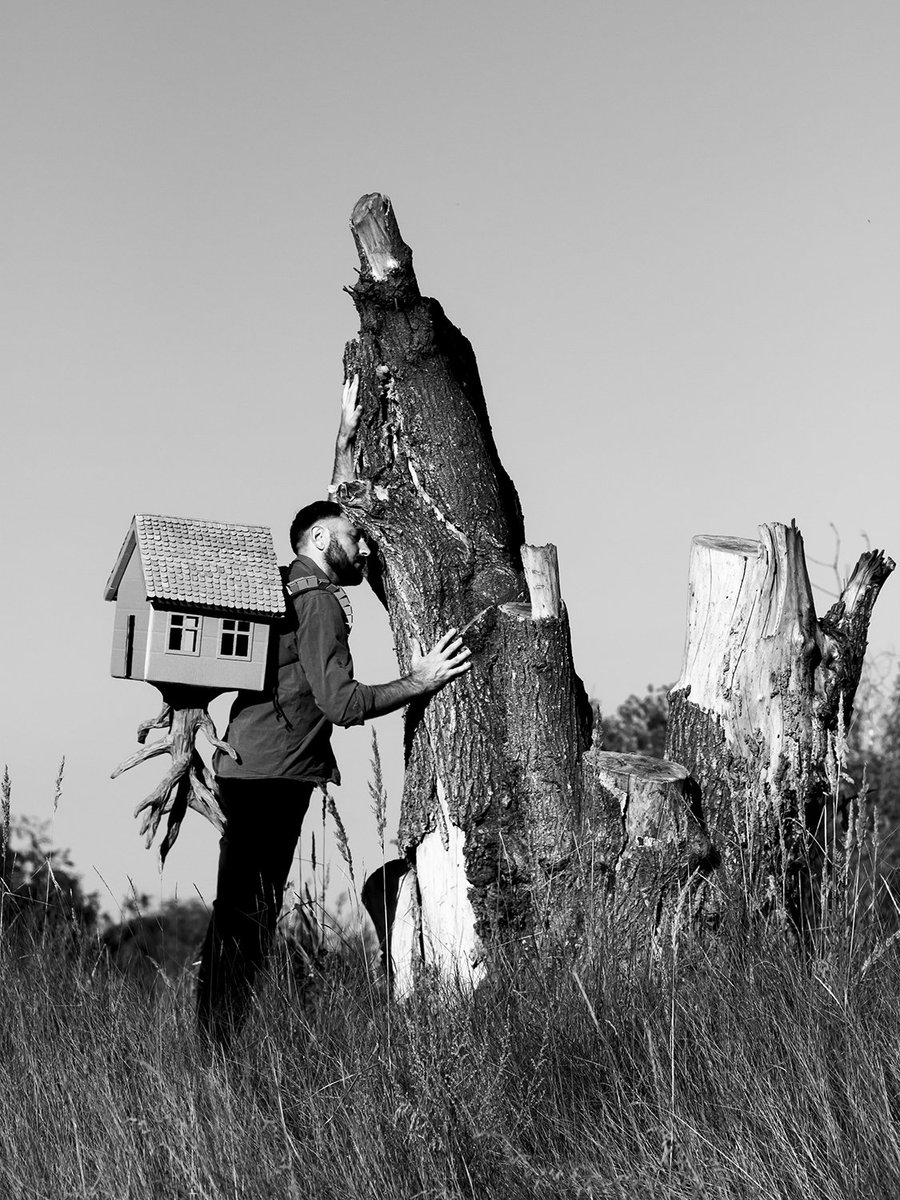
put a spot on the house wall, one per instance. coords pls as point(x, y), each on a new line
point(131, 601)
point(205, 669)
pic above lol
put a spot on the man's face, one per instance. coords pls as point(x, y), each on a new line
point(346, 552)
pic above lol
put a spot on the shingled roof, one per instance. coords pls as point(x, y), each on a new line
point(204, 564)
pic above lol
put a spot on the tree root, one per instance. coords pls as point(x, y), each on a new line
point(188, 783)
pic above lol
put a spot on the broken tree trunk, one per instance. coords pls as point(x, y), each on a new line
point(764, 692)
point(188, 783)
point(490, 807)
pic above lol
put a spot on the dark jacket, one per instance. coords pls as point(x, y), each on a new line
point(285, 731)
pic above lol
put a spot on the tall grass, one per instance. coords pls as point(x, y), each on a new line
point(734, 1069)
point(733, 1064)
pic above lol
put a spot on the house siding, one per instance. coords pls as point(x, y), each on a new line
point(205, 669)
point(131, 601)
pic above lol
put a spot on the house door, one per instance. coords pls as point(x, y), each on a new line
point(129, 647)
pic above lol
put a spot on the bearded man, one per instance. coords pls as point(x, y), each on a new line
point(282, 737)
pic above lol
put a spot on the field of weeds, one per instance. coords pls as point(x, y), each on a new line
point(734, 1069)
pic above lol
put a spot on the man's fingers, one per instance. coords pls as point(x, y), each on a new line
point(348, 395)
point(448, 657)
point(455, 664)
point(445, 641)
point(450, 647)
point(450, 673)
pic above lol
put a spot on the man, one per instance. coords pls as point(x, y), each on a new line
point(283, 740)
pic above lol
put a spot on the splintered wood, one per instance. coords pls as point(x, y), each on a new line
point(763, 688)
point(541, 568)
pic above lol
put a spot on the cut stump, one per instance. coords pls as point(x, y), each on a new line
point(644, 843)
point(764, 693)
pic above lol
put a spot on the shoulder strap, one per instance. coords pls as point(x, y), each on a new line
point(312, 583)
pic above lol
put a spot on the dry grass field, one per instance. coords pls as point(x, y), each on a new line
point(716, 1064)
point(736, 1068)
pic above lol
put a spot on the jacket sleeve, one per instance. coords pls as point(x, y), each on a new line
point(324, 654)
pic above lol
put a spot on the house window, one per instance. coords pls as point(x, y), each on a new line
point(235, 638)
point(184, 634)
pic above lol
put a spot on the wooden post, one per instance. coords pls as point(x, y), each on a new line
point(541, 569)
point(490, 802)
point(754, 714)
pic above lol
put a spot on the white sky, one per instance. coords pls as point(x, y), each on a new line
point(671, 231)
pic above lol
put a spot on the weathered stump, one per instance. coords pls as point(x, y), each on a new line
point(763, 691)
point(490, 795)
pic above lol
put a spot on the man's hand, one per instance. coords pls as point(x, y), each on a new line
point(443, 662)
point(350, 413)
point(344, 467)
point(428, 673)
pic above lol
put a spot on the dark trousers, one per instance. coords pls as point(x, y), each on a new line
point(262, 825)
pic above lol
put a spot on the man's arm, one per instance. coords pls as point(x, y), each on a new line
point(325, 657)
point(428, 673)
point(344, 467)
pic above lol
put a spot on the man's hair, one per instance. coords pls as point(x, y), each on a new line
point(313, 514)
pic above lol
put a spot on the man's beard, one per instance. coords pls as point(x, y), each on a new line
point(345, 571)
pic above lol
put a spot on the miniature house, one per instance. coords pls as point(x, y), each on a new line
point(195, 602)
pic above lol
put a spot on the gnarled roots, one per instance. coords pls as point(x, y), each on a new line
point(188, 783)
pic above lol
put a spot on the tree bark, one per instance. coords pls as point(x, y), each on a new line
point(764, 693)
point(490, 803)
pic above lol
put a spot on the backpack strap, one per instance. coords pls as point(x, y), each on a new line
point(312, 583)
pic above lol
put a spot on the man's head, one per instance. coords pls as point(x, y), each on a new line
point(323, 532)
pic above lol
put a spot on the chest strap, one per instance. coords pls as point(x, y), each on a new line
point(312, 583)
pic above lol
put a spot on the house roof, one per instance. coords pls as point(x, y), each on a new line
point(203, 564)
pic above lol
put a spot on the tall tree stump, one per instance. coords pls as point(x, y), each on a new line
point(763, 690)
point(490, 800)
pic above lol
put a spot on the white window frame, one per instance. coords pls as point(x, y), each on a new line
point(195, 629)
point(235, 632)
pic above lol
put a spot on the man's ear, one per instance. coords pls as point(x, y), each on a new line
point(320, 535)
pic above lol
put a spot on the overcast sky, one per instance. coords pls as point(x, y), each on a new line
point(671, 231)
